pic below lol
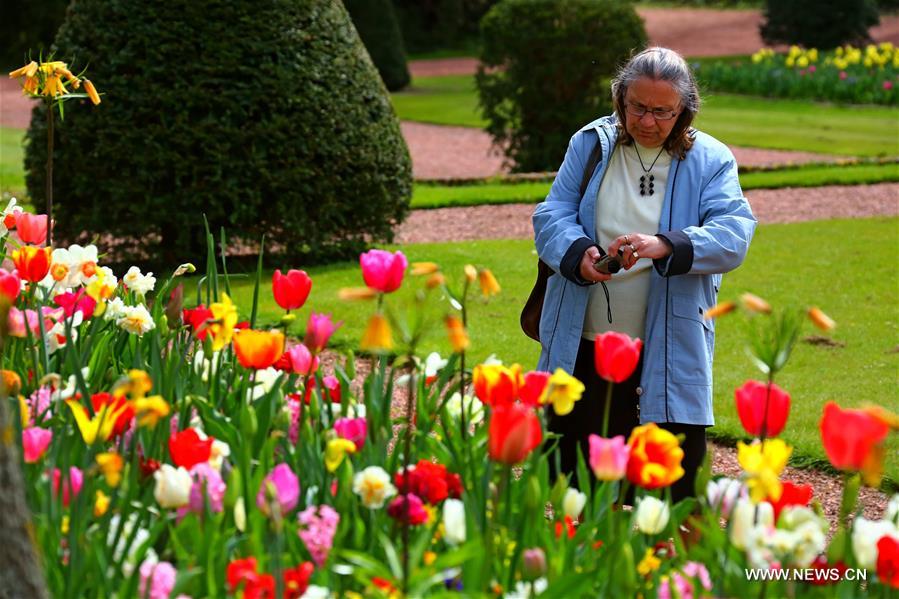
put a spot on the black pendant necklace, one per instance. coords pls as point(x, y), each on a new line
point(644, 180)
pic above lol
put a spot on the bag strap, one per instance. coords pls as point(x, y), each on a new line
point(595, 157)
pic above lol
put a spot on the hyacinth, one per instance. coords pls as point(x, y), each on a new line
point(317, 527)
point(157, 579)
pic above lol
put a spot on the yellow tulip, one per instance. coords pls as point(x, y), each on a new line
point(336, 450)
point(377, 336)
point(100, 426)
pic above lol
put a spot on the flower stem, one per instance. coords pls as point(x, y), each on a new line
point(49, 182)
point(606, 408)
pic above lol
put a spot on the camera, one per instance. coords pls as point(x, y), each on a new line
point(609, 264)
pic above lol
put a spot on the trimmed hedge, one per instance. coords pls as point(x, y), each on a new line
point(429, 25)
point(545, 68)
point(28, 26)
point(377, 26)
point(822, 24)
point(269, 118)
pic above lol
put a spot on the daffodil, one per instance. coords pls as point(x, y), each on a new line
point(111, 464)
point(149, 410)
point(763, 463)
point(221, 327)
point(562, 391)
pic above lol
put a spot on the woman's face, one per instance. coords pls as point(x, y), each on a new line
point(655, 97)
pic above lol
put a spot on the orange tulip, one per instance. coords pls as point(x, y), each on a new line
point(655, 459)
point(258, 349)
point(31, 262)
point(514, 432)
point(850, 436)
point(497, 385)
point(820, 319)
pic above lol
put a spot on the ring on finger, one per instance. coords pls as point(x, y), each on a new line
point(627, 240)
point(633, 249)
point(636, 255)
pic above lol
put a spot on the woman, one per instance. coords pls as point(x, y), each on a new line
point(667, 196)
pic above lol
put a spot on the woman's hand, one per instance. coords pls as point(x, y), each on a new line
point(637, 245)
point(588, 272)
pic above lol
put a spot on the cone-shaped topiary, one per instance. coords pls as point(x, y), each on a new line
point(267, 117)
point(378, 28)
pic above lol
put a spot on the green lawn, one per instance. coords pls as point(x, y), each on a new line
point(741, 121)
point(441, 196)
point(12, 177)
point(819, 262)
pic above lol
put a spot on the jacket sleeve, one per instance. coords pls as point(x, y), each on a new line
point(720, 243)
point(558, 234)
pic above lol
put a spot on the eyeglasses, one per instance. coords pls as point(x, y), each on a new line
point(659, 114)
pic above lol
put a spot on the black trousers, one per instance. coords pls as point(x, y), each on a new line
point(586, 419)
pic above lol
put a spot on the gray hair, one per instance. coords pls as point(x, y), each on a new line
point(660, 64)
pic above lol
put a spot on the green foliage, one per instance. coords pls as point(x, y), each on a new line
point(820, 24)
point(28, 26)
point(430, 25)
point(377, 26)
point(240, 117)
point(851, 75)
point(543, 69)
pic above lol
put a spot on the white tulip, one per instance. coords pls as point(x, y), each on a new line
point(723, 493)
point(892, 511)
point(743, 520)
point(865, 534)
point(573, 503)
point(454, 521)
point(172, 486)
point(652, 515)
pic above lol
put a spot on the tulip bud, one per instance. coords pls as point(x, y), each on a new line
point(533, 564)
point(287, 320)
point(652, 515)
point(471, 273)
point(185, 268)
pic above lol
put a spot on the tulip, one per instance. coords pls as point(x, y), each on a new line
point(335, 451)
point(513, 433)
point(319, 329)
point(754, 303)
point(124, 412)
point(652, 515)
point(101, 503)
point(76, 302)
point(488, 283)
point(292, 289)
point(296, 582)
point(173, 486)
point(454, 532)
point(745, 517)
point(150, 409)
point(16, 322)
point(257, 350)
point(301, 360)
point(457, 335)
point(377, 336)
point(791, 494)
point(207, 484)
point(865, 536)
point(723, 493)
point(533, 563)
point(32, 263)
point(888, 561)
point(35, 441)
point(655, 459)
point(408, 508)
point(157, 579)
point(849, 436)
point(424, 268)
point(188, 449)
point(573, 503)
point(72, 486)
point(562, 391)
point(763, 410)
point(820, 319)
point(10, 285)
point(608, 457)
point(101, 426)
point(532, 391)
point(497, 385)
point(383, 270)
point(616, 356)
point(719, 309)
point(282, 486)
point(764, 462)
point(352, 429)
point(373, 487)
point(333, 386)
point(32, 228)
point(110, 465)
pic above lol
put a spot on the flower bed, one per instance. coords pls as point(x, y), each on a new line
point(847, 74)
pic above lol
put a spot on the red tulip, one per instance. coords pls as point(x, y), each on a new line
point(849, 436)
point(534, 385)
point(115, 403)
point(791, 494)
point(32, 263)
point(32, 228)
point(383, 270)
point(292, 289)
point(514, 432)
point(751, 399)
point(196, 318)
point(616, 356)
point(10, 284)
point(188, 450)
point(888, 561)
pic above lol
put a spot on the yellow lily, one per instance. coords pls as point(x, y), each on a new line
point(377, 336)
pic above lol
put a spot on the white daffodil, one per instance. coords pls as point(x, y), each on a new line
point(373, 486)
point(115, 309)
point(652, 515)
point(139, 283)
point(474, 409)
point(136, 320)
point(454, 521)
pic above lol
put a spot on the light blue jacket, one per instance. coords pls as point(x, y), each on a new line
point(709, 225)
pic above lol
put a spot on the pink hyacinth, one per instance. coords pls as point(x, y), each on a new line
point(283, 486)
point(38, 404)
point(294, 407)
point(319, 329)
point(35, 441)
point(206, 478)
point(382, 270)
point(608, 457)
point(317, 528)
point(157, 579)
point(302, 361)
point(354, 429)
point(72, 485)
point(684, 583)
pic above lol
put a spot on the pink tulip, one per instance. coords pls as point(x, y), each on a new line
point(207, 483)
point(76, 302)
point(10, 285)
point(353, 429)
point(72, 487)
point(608, 457)
point(382, 270)
point(35, 441)
point(16, 322)
point(333, 386)
point(281, 484)
point(301, 360)
point(843, 75)
point(32, 228)
point(319, 329)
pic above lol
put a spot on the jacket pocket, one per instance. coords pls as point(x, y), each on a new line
point(693, 340)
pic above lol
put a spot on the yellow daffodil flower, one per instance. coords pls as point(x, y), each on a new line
point(224, 317)
point(763, 463)
point(562, 391)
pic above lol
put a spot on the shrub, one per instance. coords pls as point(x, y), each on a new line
point(440, 24)
point(377, 26)
point(269, 118)
point(545, 71)
point(28, 26)
point(822, 24)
